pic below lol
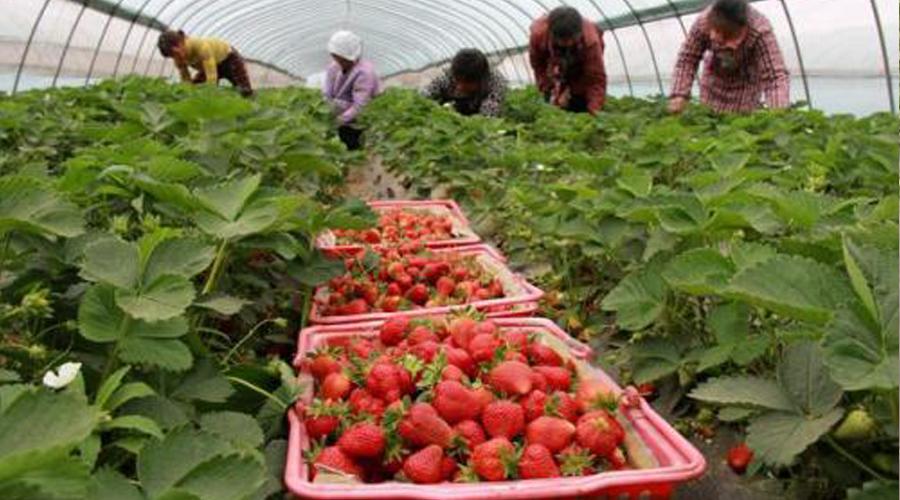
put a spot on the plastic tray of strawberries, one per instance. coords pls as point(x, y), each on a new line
point(517, 297)
point(459, 232)
point(427, 407)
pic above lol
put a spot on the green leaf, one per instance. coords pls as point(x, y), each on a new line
point(64, 422)
point(204, 383)
point(164, 298)
point(62, 478)
point(223, 304)
point(259, 216)
point(803, 376)
point(730, 322)
point(231, 477)
point(135, 423)
point(735, 413)
point(110, 385)
point(208, 105)
point(162, 464)
point(741, 390)
point(185, 257)
point(167, 354)
point(777, 437)
point(858, 279)
point(112, 261)
point(28, 205)
point(229, 198)
point(727, 164)
point(638, 299)
point(861, 350)
point(875, 490)
point(108, 484)
point(100, 320)
point(700, 271)
point(318, 270)
point(165, 412)
point(654, 359)
point(239, 428)
point(747, 254)
point(636, 181)
point(127, 392)
point(793, 286)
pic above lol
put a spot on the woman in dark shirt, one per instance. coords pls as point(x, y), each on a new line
point(470, 84)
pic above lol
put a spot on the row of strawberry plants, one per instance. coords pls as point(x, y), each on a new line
point(156, 245)
point(746, 265)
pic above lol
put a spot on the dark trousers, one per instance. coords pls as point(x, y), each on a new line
point(234, 69)
point(577, 104)
point(351, 137)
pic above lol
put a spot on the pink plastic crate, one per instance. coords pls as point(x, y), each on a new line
point(521, 300)
point(327, 241)
point(678, 460)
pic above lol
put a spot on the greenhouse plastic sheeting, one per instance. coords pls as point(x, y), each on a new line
point(843, 54)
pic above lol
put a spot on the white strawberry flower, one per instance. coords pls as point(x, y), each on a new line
point(63, 376)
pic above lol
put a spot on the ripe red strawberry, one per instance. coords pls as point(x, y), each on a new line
point(361, 348)
point(418, 294)
point(471, 432)
point(318, 427)
point(561, 404)
point(323, 364)
point(537, 463)
point(355, 307)
point(395, 270)
point(336, 386)
point(393, 290)
point(503, 418)
point(482, 347)
point(456, 402)
point(599, 432)
point(371, 236)
point(553, 432)
point(449, 467)
point(452, 372)
point(391, 304)
point(333, 458)
point(541, 354)
point(462, 330)
point(425, 466)
point(515, 356)
point(617, 460)
point(405, 281)
point(461, 359)
point(647, 391)
point(511, 377)
point(576, 461)
point(445, 286)
point(362, 401)
point(421, 334)
point(426, 351)
point(362, 440)
point(393, 330)
point(533, 404)
point(516, 339)
point(423, 426)
point(493, 460)
point(539, 381)
point(487, 326)
point(388, 382)
point(558, 378)
point(484, 395)
point(739, 457)
point(434, 271)
point(594, 394)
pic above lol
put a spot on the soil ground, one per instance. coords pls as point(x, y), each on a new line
point(372, 181)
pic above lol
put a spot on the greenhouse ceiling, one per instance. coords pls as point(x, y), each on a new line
point(89, 39)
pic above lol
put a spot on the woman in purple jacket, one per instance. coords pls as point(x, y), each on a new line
point(350, 83)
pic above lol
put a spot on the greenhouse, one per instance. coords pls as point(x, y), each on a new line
point(462, 249)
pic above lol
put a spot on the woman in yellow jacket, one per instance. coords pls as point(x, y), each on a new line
point(211, 57)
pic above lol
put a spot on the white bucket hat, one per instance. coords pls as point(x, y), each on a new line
point(345, 44)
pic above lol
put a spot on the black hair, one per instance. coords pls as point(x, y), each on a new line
point(168, 40)
point(469, 65)
point(565, 23)
point(731, 11)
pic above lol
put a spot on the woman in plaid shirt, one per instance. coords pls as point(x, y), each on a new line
point(470, 85)
point(742, 62)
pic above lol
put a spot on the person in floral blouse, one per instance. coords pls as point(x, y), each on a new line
point(470, 85)
point(742, 63)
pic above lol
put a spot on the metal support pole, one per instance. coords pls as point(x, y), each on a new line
point(34, 28)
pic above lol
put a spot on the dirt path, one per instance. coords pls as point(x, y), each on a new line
point(372, 181)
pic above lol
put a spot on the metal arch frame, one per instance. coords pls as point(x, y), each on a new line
point(468, 36)
point(884, 56)
point(618, 42)
point(674, 7)
point(237, 9)
point(137, 56)
point(128, 35)
point(65, 52)
point(441, 47)
point(803, 76)
point(643, 29)
point(25, 52)
point(109, 18)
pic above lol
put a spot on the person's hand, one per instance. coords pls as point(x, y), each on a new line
point(561, 98)
point(677, 104)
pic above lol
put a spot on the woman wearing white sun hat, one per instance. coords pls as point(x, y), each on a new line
point(350, 83)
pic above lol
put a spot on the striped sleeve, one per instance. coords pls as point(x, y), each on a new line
point(692, 50)
point(492, 104)
point(776, 86)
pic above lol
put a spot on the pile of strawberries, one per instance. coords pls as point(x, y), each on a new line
point(405, 277)
point(456, 399)
point(398, 225)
